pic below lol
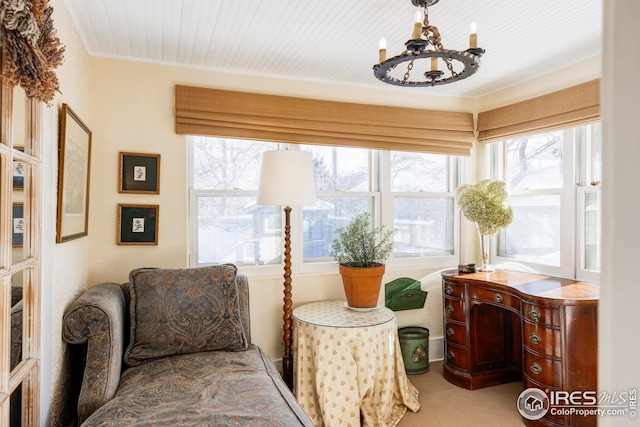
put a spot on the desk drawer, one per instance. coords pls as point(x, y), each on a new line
point(542, 340)
point(452, 289)
point(454, 309)
point(543, 370)
point(541, 315)
point(496, 297)
point(456, 333)
point(456, 356)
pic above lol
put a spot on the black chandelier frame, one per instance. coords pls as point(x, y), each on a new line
point(416, 50)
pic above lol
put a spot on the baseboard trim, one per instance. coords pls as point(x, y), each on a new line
point(436, 349)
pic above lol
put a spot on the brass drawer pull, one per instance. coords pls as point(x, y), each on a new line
point(535, 338)
point(450, 355)
point(449, 309)
point(450, 332)
point(534, 314)
point(448, 290)
point(535, 368)
point(497, 298)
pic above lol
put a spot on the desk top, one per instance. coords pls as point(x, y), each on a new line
point(534, 285)
point(336, 314)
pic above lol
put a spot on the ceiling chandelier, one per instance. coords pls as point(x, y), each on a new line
point(460, 64)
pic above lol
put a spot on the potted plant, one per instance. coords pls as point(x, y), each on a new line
point(361, 251)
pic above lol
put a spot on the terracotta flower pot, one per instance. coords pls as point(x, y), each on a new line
point(362, 285)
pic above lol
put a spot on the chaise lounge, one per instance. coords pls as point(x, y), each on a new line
point(173, 347)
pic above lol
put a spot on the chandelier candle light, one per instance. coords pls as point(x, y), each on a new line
point(460, 64)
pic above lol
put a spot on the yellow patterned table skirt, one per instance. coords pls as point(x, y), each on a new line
point(348, 366)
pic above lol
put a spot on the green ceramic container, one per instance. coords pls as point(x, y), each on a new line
point(414, 343)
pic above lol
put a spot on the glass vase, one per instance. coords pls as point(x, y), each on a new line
point(485, 245)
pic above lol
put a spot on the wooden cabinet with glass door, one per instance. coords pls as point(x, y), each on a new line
point(19, 257)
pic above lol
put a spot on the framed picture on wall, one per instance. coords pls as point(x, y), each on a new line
point(17, 236)
point(138, 224)
point(139, 173)
point(19, 169)
point(74, 169)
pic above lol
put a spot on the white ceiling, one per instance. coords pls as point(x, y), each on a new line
point(337, 40)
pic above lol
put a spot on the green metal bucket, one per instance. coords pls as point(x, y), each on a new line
point(414, 344)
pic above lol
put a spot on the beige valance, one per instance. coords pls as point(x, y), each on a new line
point(569, 107)
point(244, 115)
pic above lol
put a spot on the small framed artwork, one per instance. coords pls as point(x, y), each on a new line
point(74, 169)
point(17, 236)
point(138, 224)
point(19, 169)
point(139, 173)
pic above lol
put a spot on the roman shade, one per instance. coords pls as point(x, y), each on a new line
point(243, 115)
point(569, 107)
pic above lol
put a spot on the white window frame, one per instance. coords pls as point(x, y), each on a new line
point(382, 200)
point(576, 178)
point(582, 273)
point(388, 204)
point(265, 270)
point(193, 235)
point(585, 184)
point(329, 265)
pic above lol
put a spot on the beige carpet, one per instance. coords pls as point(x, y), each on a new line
point(444, 405)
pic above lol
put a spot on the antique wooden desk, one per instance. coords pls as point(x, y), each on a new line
point(508, 326)
point(348, 366)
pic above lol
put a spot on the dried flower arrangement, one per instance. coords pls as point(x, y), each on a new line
point(485, 204)
point(33, 48)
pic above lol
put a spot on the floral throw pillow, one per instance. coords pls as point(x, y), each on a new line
point(179, 311)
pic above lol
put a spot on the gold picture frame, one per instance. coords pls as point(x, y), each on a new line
point(74, 170)
point(138, 224)
point(139, 173)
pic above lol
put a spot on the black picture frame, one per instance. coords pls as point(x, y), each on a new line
point(139, 173)
point(18, 225)
point(18, 175)
point(138, 224)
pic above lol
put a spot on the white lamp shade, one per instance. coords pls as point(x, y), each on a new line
point(286, 179)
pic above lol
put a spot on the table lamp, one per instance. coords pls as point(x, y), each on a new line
point(286, 179)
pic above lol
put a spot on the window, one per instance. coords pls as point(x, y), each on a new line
point(533, 170)
point(590, 222)
point(423, 205)
point(589, 206)
point(408, 192)
point(556, 226)
point(228, 225)
point(344, 187)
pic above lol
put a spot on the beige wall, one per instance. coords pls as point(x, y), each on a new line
point(65, 265)
point(555, 80)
